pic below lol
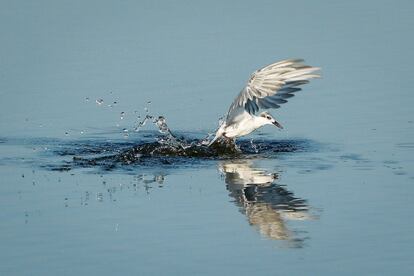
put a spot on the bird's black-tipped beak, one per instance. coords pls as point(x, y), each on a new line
point(277, 124)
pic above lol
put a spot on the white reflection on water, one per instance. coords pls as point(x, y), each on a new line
point(267, 205)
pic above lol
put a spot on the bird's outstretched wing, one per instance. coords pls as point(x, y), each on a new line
point(271, 86)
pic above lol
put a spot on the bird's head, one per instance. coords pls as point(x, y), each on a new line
point(269, 120)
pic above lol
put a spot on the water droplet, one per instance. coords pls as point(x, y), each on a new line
point(66, 133)
point(81, 132)
point(99, 101)
point(254, 146)
point(159, 179)
point(99, 197)
point(149, 102)
point(122, 115)
point(87, 99)
point(115, 102)
point(125, 134)
point(146, 109)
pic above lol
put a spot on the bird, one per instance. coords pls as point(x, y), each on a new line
point(267, 88)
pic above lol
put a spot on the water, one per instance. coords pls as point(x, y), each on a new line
point(91, 185)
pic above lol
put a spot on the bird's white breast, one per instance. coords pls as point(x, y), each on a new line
point(243, 127)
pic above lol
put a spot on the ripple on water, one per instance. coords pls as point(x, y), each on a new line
point(407, 145)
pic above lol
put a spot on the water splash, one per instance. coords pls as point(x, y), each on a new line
point(162, 125)
point(166, 147)
point(142, 123)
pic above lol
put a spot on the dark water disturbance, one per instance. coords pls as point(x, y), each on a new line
point(185, 152)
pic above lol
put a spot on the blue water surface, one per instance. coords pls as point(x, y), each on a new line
point(331, 194)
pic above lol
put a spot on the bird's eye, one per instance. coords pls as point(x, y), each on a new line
point(268, 117)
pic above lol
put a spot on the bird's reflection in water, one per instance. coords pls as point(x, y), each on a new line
point(267, 205)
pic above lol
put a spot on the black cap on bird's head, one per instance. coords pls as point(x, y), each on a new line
point(272, 120)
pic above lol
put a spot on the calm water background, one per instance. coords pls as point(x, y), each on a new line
point(190, 59)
